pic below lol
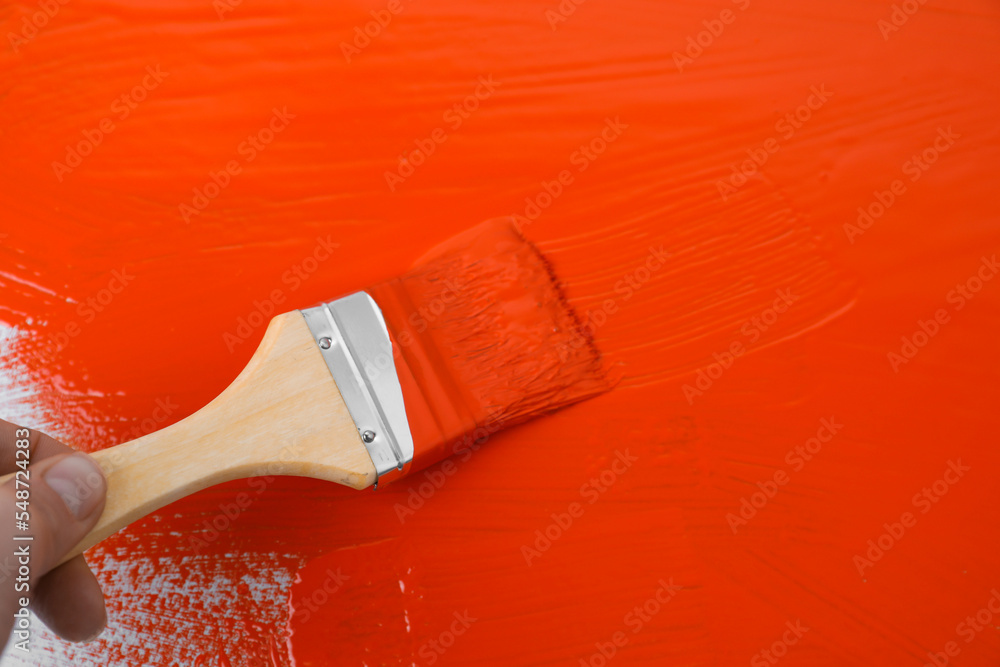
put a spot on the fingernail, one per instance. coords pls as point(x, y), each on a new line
point(79, 482)
point(97, 633)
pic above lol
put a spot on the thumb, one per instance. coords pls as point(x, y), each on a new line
point(56, 504)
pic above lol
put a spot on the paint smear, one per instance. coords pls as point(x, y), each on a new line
point(373, 605)
point(794, 372)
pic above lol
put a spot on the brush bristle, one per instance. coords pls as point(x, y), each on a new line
point(484, 339)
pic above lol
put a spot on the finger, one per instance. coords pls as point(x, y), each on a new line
point(63, 497)
point(54, 499)
point(40, 445)
point(69, 600)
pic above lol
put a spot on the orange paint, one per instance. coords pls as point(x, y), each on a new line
point(598, 131)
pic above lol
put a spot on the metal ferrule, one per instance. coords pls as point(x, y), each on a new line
point(354, 341)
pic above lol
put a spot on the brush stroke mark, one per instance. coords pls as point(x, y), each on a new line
point(655, 186)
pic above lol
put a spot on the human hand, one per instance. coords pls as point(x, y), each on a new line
point(65, 497)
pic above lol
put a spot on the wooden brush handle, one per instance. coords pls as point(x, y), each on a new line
point(283, 415)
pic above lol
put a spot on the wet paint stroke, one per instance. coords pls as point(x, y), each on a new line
point(753, 204)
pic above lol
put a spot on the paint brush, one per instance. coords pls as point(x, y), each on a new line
point(365, 388)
